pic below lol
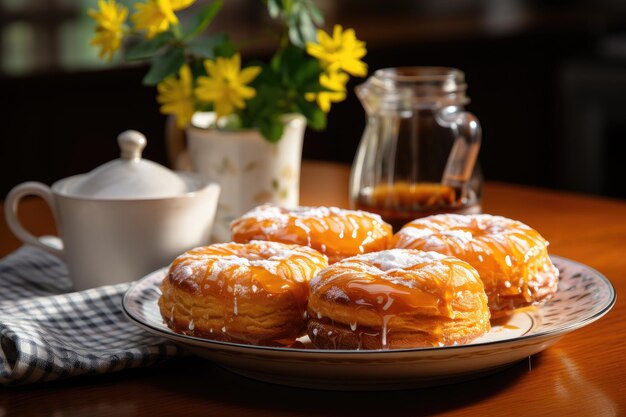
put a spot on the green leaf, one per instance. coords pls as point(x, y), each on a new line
point(264, 104)
point(299, 17)
point(314, 12)
point(148, 48)
point(288, 5)
point(291, 60)
point(273, 8)
point(226, 49)
point(276, 62)
point(295, 36)
point(267, 77)
point(164, 65)
point(302, 29)
point(202, 19)
point(314, 87)
point(307, 73)
point(298, 69)
point(272, 130)
point(197, 68)
point(315, 117)
point(204, 107)
point(177, 31)
point(205, 47)
point(230, 122)
point(308, 31)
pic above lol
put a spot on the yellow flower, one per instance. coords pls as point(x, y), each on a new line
point(341, 52)
point(110, 20)
point(156, 16)
point(335, 81)
point(176, 96)
point(225, 85)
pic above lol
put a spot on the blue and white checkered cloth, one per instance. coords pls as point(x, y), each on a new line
point(48, 332)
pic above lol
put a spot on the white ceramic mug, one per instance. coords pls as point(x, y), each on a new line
point(109, 241)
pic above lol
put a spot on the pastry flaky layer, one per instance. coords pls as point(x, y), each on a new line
point(335, 232)
point(510, 257)
point(252, 293)
point(398, 298)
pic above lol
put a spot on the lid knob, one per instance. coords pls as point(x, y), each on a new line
point(131, 144)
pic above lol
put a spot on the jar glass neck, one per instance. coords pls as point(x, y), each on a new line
point(408, 88)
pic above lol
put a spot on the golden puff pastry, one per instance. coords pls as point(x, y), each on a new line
point(398, 298)
point(510, 257)
point(335, 232)
point(250, 293)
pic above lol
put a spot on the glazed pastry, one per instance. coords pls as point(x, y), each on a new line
point(398, 298)
point(335, 232)
point(250, 293)
point(510, 257)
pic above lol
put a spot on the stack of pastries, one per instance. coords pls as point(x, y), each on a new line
point(343, 278)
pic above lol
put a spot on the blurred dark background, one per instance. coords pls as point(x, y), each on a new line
point(547, 79)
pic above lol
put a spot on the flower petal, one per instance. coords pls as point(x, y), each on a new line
point(248, 75)
point(181, 4)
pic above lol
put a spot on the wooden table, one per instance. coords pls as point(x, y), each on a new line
point(583, 374)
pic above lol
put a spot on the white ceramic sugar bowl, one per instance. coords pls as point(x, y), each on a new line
point(124, 219)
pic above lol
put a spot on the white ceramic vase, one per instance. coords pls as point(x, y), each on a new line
point(249, 169)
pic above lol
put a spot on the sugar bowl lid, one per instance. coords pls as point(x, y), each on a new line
point(130, 176)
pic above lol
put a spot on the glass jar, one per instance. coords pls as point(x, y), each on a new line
point(418, 152)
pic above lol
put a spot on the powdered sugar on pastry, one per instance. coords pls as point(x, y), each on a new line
point(336, 232)
point(511, 257)
point(245, 292)
point(396, 298)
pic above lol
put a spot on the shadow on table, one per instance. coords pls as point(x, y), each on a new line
point(191, 386)
point(243, 395)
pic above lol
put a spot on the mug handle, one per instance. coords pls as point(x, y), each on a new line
point(11, 205)
point(464, 152)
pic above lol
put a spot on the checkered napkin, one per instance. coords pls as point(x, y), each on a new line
point(47, 332)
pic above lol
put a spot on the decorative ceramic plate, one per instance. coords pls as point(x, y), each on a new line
point(584, 295)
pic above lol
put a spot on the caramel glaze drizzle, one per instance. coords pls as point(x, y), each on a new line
point(510, 257)
point(428, 288)
point(334, 232)
point(239, 273)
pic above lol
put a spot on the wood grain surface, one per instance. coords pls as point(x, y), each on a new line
point(584, 374)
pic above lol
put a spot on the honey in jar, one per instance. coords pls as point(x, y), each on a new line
point(402, 202)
